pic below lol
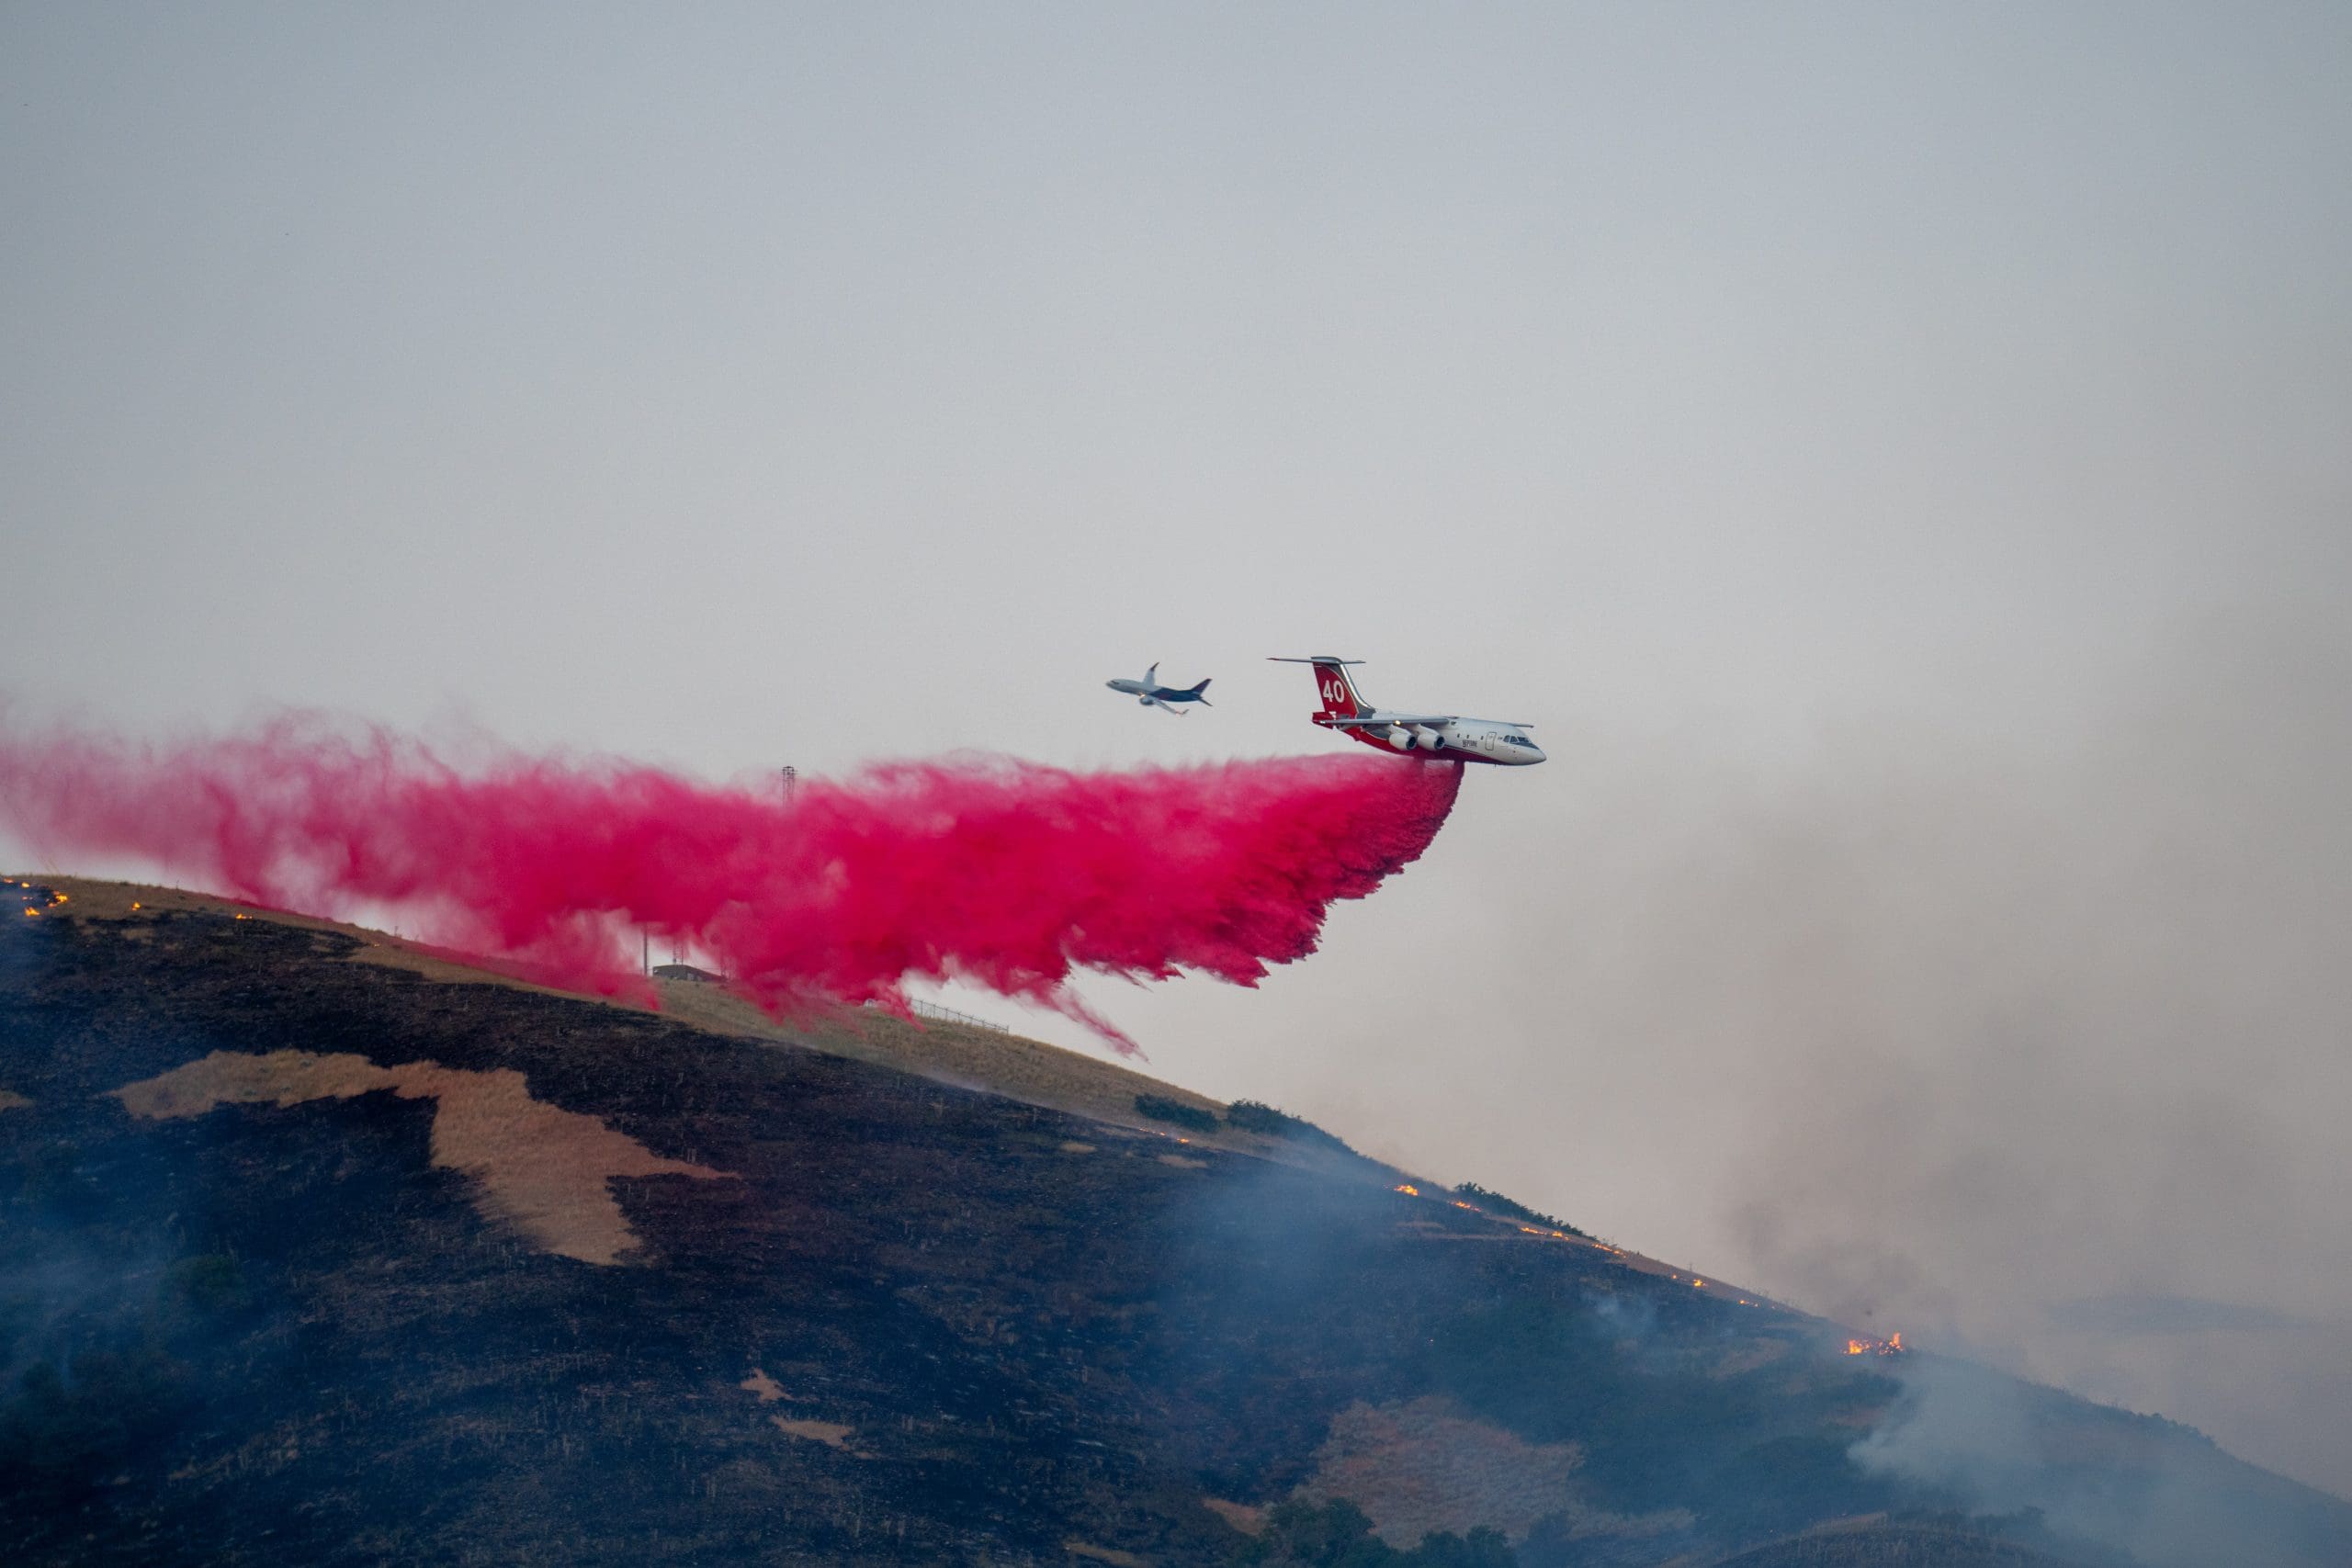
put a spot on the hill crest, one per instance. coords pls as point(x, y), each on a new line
point(905, 1320)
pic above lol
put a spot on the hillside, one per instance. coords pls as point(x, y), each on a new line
point(314, 1248)
point(1876, 1544)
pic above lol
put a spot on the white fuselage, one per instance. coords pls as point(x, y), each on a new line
point(1439, 736)
point(1152, 694)
point(1458, 740)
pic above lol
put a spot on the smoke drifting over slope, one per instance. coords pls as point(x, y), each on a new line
point(1005, 874)
point(2021, 1033)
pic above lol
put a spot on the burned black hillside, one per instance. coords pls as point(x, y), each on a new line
point(288, 1276)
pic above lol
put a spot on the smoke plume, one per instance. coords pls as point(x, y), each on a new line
point(1005, 874)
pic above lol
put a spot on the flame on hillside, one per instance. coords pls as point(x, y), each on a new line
point(1889, 1346)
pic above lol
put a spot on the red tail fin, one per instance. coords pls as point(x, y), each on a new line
point(1338, 692)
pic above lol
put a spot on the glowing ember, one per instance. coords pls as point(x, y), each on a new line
point(1409, 1190)
point(1889, 1346)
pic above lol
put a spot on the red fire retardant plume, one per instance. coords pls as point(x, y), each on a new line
point(1005, 874)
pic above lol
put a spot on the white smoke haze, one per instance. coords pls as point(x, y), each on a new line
point(2013, 1019)
point(1976, 1435)
point(2016, 1025)
point(1894, 455)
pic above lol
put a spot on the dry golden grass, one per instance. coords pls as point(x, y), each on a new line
point(543, 1170)
point(832, 1433)
point(1247, 1517)
point(1011, 1064)
point(1110, 1554)
point(1423, 1465)
point(132, 904)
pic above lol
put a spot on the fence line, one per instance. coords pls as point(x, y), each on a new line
point(938, 1014)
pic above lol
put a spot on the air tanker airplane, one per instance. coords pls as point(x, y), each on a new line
point(1152, 694)
point(1439, 737)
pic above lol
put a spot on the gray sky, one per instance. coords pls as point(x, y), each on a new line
point(1894, 455)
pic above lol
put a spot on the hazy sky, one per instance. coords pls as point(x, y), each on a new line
point(1897, 456)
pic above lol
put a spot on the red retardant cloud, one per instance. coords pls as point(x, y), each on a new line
point(1000, 873)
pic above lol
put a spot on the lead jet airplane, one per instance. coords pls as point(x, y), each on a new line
point(1152, 694)
point(1439, 736)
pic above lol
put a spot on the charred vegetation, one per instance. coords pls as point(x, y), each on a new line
point(899, 1322)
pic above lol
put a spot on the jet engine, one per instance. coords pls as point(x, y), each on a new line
point(1401, 738)
point(1427, 739)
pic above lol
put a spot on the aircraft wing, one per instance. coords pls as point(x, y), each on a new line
point(1383, 721)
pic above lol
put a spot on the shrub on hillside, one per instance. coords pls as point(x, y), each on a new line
point(1159, 1108)
point(211, 1282)
point(1254, 1116)
point(1338, 1535)
point(1496, 1203)
point(69, 1423)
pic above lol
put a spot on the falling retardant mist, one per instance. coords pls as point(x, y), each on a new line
point(990, 871)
